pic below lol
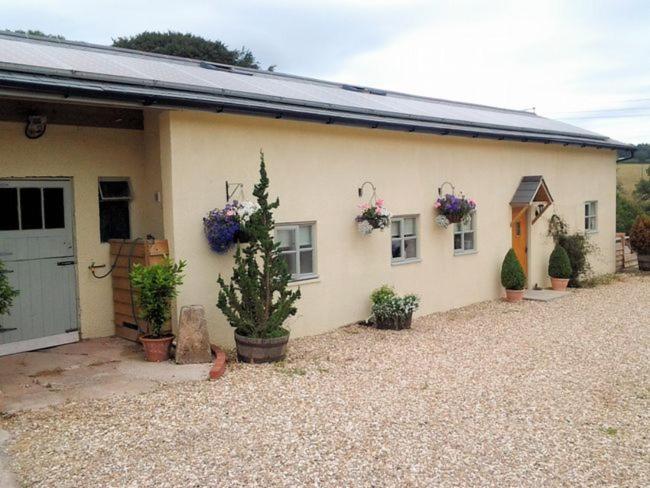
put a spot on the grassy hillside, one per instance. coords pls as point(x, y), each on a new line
point(629, 174)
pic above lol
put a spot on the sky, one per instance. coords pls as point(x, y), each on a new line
point(583, 62)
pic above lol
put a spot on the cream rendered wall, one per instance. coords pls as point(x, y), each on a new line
point(316, 169)
point(85, 154)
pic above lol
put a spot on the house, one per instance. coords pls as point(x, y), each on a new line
point(98, 142)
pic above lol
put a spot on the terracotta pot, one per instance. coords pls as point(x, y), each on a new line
point(644, 262)
point(514, 295)
point(156, 349)
point(254, 350)
point(396, 323)
point(559, 284)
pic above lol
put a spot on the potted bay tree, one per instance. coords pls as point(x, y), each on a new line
point(157, 286)
point(257, 300)
point(640, 241)
point(559, 268)
point(513, 278)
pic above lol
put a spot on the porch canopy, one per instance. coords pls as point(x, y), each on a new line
point(531, 189)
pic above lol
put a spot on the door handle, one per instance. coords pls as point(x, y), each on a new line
point(66, 263)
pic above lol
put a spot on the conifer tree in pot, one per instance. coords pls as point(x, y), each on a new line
point(257, 300)
point(640, 241)
point(157, 286)
point(513, 278)
point(559, 268)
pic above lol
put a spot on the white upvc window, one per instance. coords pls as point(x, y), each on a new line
point(298, 248)
point(591, 216)
point(404, 239)
point(465, 236)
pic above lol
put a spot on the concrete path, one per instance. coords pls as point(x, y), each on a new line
point(544, 295)
point(96, 368)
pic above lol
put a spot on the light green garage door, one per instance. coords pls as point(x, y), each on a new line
point(37, 247)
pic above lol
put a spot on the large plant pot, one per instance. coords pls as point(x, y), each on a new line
point(514, 295)
point(454, 219)
point(644, 262)
point(156, 349)
point(395, 323)
point(254, 350)
point(559, 284)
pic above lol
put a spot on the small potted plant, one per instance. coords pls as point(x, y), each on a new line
point(452, 209)
point(7, 293)
point(390, 311)
point(559, 268)
point(227, 226)
point(157, 286)
point(640, 241)
point(513, 278)
point(257, 300)
point(375, 216)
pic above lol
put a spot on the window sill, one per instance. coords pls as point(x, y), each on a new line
point(406, 261)
point(307, 280)
point(590, 232)
point(465, 253)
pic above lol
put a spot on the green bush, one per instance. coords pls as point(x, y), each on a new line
point(559, 265)
point(7, 293)
point(382, 294)
point(512, 274)
point(640, 235)
point(157, 285)
point(627, 211)
point(577, 246)
point(258, 300)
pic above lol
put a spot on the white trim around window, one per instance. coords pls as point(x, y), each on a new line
point(465, 236)
point(591, 216)
point(298, 247)
point(404, 242)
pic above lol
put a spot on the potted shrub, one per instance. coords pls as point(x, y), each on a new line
point(559, 268)
point(372, 217)
point(390, 311)
point(227, 226)
point(157, 285)
point(257, 300)
point(513, 278)
point(7, 293)
point(640, 241)
point(452, 209)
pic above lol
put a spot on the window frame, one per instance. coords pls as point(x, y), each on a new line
point(128, 199)
point(295, 227)
point(403, 259)
point(458, 231)
point(591, 217)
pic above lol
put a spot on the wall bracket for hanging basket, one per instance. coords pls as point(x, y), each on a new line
point(453, 188)
point(236, 186)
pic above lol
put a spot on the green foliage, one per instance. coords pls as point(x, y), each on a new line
point(577, 246)
point(559, 265)
point(187, 46)
point(642, 193)
point(512, 274)
point(7, 293)
point(382, 294)
point(641, 154)
point(626, 211)
point(37, 33)
point(640, 235)
point(157, 285)
point(257, 300)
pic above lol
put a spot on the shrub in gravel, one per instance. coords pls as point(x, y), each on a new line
point(382, 294)
point(559, 265)
point(390, 311)
point(512, 274)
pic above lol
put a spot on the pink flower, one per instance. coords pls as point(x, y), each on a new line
point(472, 201)
point(437, 204)
point(230, 213)
point(364, 206)
point(379, 202)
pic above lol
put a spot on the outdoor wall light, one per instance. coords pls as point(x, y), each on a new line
point(36, 125)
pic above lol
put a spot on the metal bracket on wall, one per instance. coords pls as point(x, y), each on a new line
point(236, 186)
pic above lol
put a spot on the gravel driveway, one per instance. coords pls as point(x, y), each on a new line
point(495, 394)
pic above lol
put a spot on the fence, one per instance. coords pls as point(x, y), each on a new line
point(625, 257)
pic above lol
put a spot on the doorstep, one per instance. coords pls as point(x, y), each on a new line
point(544, 295)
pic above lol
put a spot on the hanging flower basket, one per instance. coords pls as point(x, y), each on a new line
point(227, 226)
point(373, 216)
point(453, 210)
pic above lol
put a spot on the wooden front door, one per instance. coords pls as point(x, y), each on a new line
point(520, 236)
